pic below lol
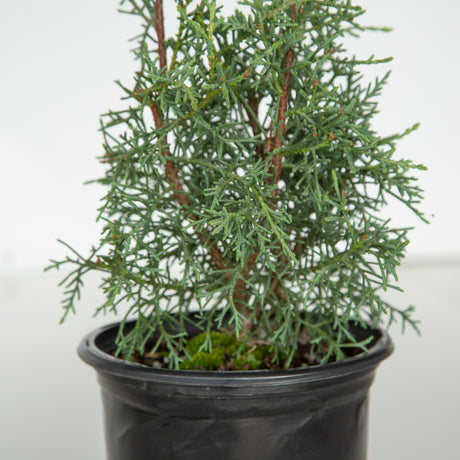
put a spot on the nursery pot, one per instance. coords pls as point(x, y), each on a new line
point(317, 413)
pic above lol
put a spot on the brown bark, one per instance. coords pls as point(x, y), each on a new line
point(160, 31)
point(172, 175)
point(276, 142)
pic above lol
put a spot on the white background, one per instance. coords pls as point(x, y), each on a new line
point(58, 61)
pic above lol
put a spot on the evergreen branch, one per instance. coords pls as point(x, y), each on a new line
point(276, 161)
point(170, 168)
point(173, 178)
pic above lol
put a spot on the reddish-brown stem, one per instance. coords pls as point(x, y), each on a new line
point(170, 168)
point(277, 141)
point(172, 175)
point(160, 31)
point(171, 171)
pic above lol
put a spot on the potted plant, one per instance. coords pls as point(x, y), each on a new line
point(243, 244)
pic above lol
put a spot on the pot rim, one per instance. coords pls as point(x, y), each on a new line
point(103, 362)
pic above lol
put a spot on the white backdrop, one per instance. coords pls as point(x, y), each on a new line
point(58, 63)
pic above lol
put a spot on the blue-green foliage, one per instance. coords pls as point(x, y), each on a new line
point(310, 250)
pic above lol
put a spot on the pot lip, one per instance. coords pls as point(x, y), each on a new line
point(105, 363)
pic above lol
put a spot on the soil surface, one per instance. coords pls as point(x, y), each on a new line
point(305, 356)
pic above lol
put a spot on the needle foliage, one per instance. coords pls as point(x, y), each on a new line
point(245, 181)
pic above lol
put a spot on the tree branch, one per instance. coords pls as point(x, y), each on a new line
point(277, 141)
point(171, 171)
point(172, 175)
point(160, 31)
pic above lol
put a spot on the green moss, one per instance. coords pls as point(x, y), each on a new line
point(205, 360)
point(222, 345)
point(218, 339)
point(224, 348)
point(246, 362)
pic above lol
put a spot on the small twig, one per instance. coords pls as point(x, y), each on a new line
point(253, 113)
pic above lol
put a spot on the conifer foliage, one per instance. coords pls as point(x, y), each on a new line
point(245, 181)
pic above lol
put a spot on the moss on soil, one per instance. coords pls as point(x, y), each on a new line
point(225, 351)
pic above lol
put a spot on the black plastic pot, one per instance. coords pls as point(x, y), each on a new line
point(318, 413)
